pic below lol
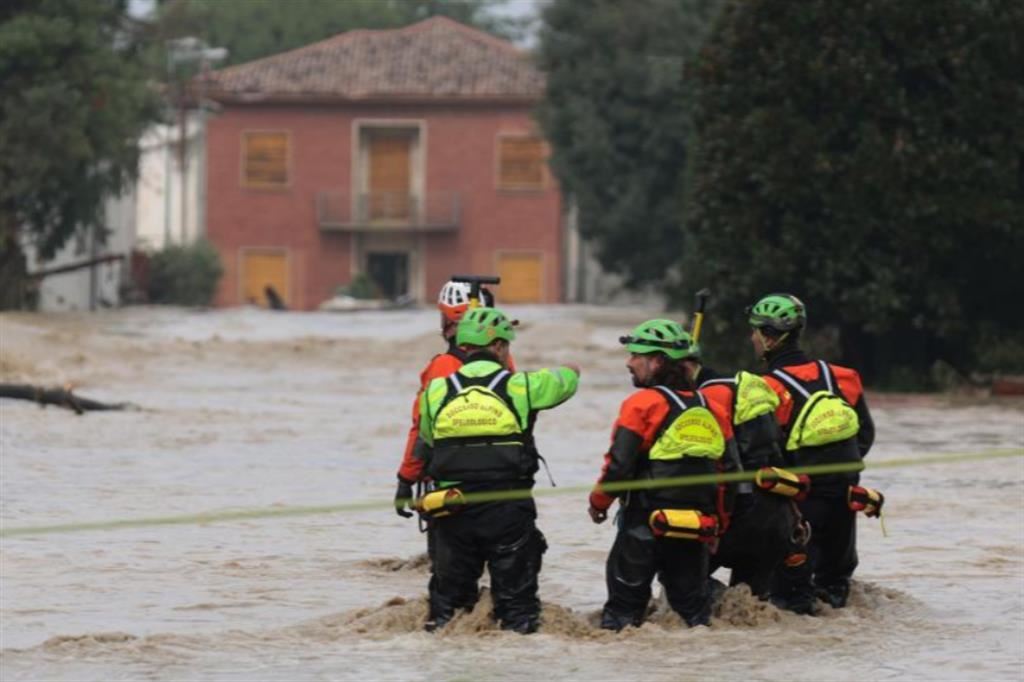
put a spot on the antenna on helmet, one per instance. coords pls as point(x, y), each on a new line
point(474, 282)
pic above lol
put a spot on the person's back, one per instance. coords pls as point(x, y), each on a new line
point(476, 437)
point(766, 535)
point(662, 432)
point(824, 420)
point(797, 378)
point(454, 299)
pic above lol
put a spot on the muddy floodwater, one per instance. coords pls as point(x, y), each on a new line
point(248, 409)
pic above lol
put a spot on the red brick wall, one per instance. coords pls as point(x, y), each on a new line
point(461, 156)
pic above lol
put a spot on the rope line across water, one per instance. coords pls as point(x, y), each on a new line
point(203, 518)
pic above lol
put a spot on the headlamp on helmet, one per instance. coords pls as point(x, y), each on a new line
point(661, 336)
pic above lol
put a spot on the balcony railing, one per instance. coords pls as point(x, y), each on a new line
point(388, 211)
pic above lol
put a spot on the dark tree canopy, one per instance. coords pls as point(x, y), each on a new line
point(75, 101)
point(616, 113)
point(869, 157)
point(251, 29)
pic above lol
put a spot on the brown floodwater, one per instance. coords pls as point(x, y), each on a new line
point(249, 409)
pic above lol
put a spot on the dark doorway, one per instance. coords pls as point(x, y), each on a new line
point(390, 272)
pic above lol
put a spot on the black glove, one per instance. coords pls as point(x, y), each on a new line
point(403, 498)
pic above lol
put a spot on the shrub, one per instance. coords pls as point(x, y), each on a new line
point(362, 286)
point(184, 275)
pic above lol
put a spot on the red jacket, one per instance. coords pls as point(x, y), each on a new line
point(640, 416)
point(797, 364)
point(847, 379)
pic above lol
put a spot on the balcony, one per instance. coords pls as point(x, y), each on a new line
point(388, 212)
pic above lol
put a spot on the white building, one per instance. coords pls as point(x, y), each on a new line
point(153, 213)
point(164, 213)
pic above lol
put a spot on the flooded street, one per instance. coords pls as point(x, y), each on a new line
point(250, 409)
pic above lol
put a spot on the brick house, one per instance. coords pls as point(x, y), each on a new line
point(406, 154)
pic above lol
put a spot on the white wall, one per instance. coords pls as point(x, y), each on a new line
point(96, 287)
point(159, 216)
point(142, 218)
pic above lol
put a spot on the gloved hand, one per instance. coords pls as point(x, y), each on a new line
point(598, 507)
point(403, 498)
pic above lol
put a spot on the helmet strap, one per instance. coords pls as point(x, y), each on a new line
point(691, 374)
point(768, 343)
point(448, 328)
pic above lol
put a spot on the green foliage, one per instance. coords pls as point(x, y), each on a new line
point(362, 286)
point(869, 158)
point(184, 275)
point(75, 102)
point(616, 114)
point(251, 29)
point(1000, 352)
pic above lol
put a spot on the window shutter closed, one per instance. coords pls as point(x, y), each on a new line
point(266, 159)
point(522, 277)
point(262, 269)
point(521, 163)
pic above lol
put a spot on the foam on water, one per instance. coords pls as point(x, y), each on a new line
point(251, 409)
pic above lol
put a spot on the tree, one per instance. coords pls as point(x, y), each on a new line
point(616, 115)
point(869, 157)
point(251, 29)
point(75, 102)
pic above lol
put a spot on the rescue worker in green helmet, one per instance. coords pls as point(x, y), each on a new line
point(476, 437)
point(453, 301)
point(663, 431)
point(825, 420)
point(766, 534)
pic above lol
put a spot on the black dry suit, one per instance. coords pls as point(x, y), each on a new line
point(477, 438)
point(832, 551)
point(642, 549)
point(765, 535)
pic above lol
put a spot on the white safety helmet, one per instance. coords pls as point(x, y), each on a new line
point(453, 300)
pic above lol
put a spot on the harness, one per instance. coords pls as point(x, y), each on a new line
point(823, 416)
point(688, 442)
point(479, 436)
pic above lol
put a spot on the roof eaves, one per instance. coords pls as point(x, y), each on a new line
point(256, 98)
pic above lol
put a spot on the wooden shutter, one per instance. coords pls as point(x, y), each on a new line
point(261, 269)
point(522, 277)
point(390, 176)
point(521, 162)
point(265, 159)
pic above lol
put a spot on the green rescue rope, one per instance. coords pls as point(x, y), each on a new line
point(495, 496)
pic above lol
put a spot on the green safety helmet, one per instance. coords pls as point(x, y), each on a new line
point(661, 336)
point(481, 326)
point(781, 312)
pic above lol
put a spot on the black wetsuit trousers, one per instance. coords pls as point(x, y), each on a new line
point(832, 552)
point(504, 537)
point(637, 556)
point(758, 541)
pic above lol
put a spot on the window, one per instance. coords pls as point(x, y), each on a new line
point(522, 276)
point(521, 162)
point(265, 159)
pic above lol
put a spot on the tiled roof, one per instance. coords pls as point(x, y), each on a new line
point(437, 58)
